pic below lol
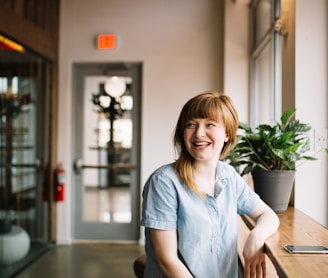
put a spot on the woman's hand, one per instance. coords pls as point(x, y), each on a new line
point(267, 223)
point(254, 257)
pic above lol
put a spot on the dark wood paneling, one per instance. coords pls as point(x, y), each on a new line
point(33, 24)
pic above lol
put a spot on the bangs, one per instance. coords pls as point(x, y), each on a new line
point(206, 108)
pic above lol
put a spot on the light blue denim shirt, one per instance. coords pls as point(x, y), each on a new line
point(207, 228)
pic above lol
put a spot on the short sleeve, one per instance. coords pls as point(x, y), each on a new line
point(160, 202)
point(247, 199)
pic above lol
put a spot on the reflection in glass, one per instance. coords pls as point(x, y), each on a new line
point(263, 19)
point(23, 208)
point(263, 86)
point(107, 205)
point(107, 144)
point(122, 134)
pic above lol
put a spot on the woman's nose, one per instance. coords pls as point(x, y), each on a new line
point(200, 132)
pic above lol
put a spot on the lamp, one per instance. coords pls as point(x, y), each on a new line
point(115, 86)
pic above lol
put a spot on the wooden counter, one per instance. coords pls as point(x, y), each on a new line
point(295, 228)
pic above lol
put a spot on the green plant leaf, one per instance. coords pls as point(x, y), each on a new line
point(272, 147)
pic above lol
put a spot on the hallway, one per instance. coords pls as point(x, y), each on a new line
point(81, 260)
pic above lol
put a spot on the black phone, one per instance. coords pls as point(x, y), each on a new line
point(306, 249)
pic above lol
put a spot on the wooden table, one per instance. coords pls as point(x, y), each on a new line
point(295, 228)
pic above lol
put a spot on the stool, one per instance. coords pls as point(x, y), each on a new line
point(139, 266)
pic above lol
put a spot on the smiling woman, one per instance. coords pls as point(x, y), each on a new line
point(192, 204)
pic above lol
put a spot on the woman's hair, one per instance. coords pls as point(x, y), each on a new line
point(209, 105)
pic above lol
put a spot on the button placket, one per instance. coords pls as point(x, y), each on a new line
point(214, 213)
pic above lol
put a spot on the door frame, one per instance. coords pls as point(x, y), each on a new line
point(97, 231)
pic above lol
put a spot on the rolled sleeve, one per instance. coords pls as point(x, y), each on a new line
point(247, 199)
point(160, 203)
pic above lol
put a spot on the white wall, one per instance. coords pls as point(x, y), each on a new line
point(179, 44)
point(236, 55)
point(311, 193)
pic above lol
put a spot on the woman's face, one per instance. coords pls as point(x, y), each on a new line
point(204, 139)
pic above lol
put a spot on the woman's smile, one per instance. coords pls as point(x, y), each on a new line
point(201, 143)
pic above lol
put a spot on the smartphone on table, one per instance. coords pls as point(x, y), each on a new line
point(306, 249)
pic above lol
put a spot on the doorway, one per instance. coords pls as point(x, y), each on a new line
point(24, 156)
point(106, 148)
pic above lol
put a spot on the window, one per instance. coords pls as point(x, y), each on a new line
point(265, 105)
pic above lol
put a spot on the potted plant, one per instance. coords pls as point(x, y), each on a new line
point(269, 153)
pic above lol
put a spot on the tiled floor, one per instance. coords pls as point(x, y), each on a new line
point(91, 260)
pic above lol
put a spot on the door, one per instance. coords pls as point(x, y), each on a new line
point(106, 145)
point(24, 156)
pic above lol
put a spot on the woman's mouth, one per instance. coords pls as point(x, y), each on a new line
point(200, 143)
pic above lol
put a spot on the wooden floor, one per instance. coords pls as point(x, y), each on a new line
point(91, 260)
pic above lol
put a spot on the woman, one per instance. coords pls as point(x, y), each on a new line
point(190, 206)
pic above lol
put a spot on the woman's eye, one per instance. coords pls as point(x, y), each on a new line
point(210, 125)
point(190, 125)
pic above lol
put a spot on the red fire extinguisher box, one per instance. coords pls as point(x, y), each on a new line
point(60, 183)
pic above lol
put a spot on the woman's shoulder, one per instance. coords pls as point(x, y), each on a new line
point(166, 169)
point(225, 169)
point(163, 177)
point(164, 172)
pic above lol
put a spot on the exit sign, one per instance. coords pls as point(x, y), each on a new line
point(106, 41)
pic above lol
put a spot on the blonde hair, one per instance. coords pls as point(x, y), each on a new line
point(209, 105)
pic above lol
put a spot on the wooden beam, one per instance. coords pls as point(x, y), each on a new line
point(21, 30)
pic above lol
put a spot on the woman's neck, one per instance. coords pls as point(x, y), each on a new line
point(205, 176)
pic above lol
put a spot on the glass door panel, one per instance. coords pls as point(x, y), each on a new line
point(107, 195)
point(23, 212)
point(106, 146)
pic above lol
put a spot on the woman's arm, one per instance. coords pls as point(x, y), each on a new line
point(165, 245)
point(267, 223)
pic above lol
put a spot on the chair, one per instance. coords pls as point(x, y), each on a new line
point(139, 266)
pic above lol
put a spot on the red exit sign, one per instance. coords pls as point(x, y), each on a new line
point(106, 41)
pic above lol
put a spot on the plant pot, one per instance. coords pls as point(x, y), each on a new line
point(274, 187)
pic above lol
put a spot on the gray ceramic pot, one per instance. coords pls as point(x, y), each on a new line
point(274, 187)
